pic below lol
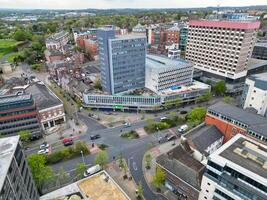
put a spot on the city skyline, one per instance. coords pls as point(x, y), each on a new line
point(106, 4)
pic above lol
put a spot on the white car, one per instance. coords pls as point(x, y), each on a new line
point(43, 151)
point(44, 146)
point(183, 128)
point(163, 118)
point(92, 170)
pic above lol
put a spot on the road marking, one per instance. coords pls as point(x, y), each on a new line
point(135, 166)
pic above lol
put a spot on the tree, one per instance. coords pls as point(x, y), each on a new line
point(21, 35)
point(101, 158)
point(174, 102)
point(205, 97)
point(98, 84)
point(139, 190)
point(62, 175)
point(80, 169)
point(148, 159)
point(228, 99)
point(40, 172)
point(196, 116)
point(219, 88)
point(25, 136)
point(159, 178)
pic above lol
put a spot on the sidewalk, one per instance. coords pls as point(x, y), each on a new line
point(155, 152)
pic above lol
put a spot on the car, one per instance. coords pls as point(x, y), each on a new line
point(94, 137)
point(183, 128)
point(183, 112)
point(45, 145)
point(92, 170)
point(163, 118)
point(43, 151)
point(171, 137)
point(126, 124)
point(67, 141)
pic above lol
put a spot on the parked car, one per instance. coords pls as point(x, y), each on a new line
point(183, 128)
point(163, 118)
point(45, 145)
point(92, 170)
point(183, 112)
point(43, 151)
point(126, 125)
point(67, 141)
point(94, 137)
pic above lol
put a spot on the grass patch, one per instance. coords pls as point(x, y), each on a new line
point(130, 135)
point(11, 57)
point(67, 153)
point(7, 46)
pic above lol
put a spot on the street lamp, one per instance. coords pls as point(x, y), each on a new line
point(82, 157)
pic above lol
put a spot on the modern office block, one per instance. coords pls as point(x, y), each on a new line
point(236, 171)
point(18, 113)
point(16, 181)
point(255, 94)
point(122, 61)
point(221, 48)
point(183, 37)
point(163, 73)
point(260, 51)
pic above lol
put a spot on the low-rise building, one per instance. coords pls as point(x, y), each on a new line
point(236, 171)
point(49, 106)
point(260, 51)
point(231, 120)
point(16, 181)
point(98, 186)
point(139, 28)
point(255, 94)
point(57, 41)
point(163, 73)
point(18, 112)
point(204, 140)
point(183, 172)
point(91, 48)
point(53, 55)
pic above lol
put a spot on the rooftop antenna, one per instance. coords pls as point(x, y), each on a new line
point(218, 10)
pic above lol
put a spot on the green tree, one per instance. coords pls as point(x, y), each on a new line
point(80, 169)
point(101, 158)
point(207, 96)
point(98, 84)
point(25, 136)
point(228, 99)
point(159, 177)
point(174, 102)
point(21, 35)
point(139, 190)
point(148, 159)
point(62, 175)
point(41, 173)
point(196, 116)
point(219, 88)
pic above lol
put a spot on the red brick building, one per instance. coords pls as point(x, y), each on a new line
point(91, 47)
point(231, 120)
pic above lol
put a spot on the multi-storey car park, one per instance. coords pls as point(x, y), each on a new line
point(221, 49)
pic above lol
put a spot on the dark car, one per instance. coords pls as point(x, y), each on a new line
point(183, 112)
point(94, 137)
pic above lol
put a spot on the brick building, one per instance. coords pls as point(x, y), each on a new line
point(91, 48)
point(231, 120)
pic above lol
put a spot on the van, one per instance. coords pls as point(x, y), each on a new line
point(183, 128)
point(92, 170)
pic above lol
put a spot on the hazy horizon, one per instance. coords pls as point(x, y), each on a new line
point(113, 4)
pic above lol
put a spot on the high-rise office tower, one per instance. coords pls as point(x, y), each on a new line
point(16, 181)
point(122, 60)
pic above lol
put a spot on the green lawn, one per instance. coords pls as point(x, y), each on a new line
point(7, 46)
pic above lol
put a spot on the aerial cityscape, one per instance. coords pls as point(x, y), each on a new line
point(125, 100)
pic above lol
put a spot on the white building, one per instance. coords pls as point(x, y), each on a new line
point(57, 41)
point(255, 93)
point(163, 73)
point(221, 48)
point(236, 171)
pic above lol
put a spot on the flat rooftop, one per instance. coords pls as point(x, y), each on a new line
point(161, 62)
point(260, 80)
point(8, 147)
point(252, 120)
point(245, 155)
point(254, 63)
point(196, 85)
point(261, 44)
point(129, 36)
point(14, 98)
point(43, 97)
point(96, 187)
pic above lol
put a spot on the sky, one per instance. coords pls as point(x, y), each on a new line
point(82, 4)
